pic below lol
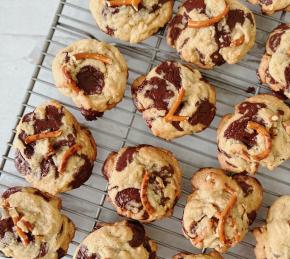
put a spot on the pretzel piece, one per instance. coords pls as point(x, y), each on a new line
point(96, 56)
point(209, 22)
point(43, 135)
point(144, 194)
point(70, 82)
point(24, 238)
point(170, 115)
point(67, 154)
point(224, 214)
point(267, 138)
point(134, 3)
point(288, 52)
point(238, 42)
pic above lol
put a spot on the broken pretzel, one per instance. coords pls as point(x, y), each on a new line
point(95, 56)
point(238, 42)
point(42, 135)
point(67, 154)
point(133, 3)
point(144, 194)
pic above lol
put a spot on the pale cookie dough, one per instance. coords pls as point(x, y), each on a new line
point(273, 238)
point(155, 96)
point(128, 24)
point(32, 226)
point(213, 41)
point(212, 255)
point(258, 133)
point(120, 240)
point(274, 69)
point(271, 6)
point(93, 73)
point(53, 151)
point(220, 209)
point(144, 182)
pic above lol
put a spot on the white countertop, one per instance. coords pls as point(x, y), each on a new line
point(23, 27)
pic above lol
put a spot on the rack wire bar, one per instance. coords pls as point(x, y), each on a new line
point(124, 126)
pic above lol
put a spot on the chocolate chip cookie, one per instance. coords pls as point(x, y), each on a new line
point(120, 240)
point(210, 33)
point(53, 151)
point(271, 6)
point(258, 133)
point(274, 69)
point(175, 100)
point(273, 237)
point(144, 182)
point(220, 209)
point(93, 73)
point(131, 20)
point(212, 255)
point(32, 225)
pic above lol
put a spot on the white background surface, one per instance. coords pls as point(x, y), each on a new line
point(23, 27)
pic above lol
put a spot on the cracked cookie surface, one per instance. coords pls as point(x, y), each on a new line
point(32, 225)
point(92, 73)
point(220, 209)
point(274, 69)
point(144, 182)
point(210, 33)
point(257, 133)
point(53, 151)
point(120, 240)
point(175, 100)
point(126, 23)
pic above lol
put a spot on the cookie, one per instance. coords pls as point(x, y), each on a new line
point(257, 133)
point(175, 100)
point(273, 238)
point(274, 69)
point(131, 20)
point(210, 33)
point(144, 182)
point(120, 240)
point(93, 73)
point(32, 225)
point(220, 209)
point(271, 6)
point(212, 255)
point(53, 151)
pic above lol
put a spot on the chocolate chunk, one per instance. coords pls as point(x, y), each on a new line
point(242, 182)
point(29, 148)
point(159, 92)
point(43, 195)
point(266, 2)
point(204, 114)
point(155, 7)
point(195, 4)
point(90, 80)
point(105, 172)
point(171, 72)
point(287, 76)
point(251, 216)
point(176, 25)
point(70, 141)
point(60, 253)
point(51, 122)
point(84, 253)
point(110, 31)
point(281, 112)
point(275, 39)
point(126, 158)
point(11, 191)
point(146, 244)
point(21, 164)
point(128, 198)
point(138, 233)
point(6, 225)
point(27, 117)
point(45, 166)
point(42, 250)
point(83, 174)
point(235, 16)
point(238, 129)
point(91, 115)
point(165, 173)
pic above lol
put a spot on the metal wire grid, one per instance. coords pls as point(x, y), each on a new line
point(124, 126)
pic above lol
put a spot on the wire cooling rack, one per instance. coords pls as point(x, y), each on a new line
point(124, 126)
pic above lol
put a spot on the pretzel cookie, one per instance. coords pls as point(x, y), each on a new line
point(32, 225)
point(271, 6)
point(258, 133)
point(209, 33)
point(273, 237)
point(274, 69)
point(220, 209)
point(175, 100)
point(131, 20)
point(120, 240)
point(53, 151)
point(93, 73)
point(212, 255)
point(144, 182)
